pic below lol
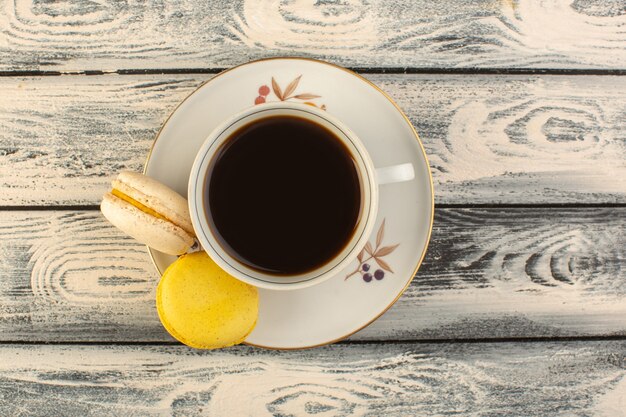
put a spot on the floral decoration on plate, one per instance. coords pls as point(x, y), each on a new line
point(376, 254)
point(287, 94)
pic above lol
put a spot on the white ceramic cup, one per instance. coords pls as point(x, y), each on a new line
point(369, 178)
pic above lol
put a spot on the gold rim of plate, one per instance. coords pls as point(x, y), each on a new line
point(406, 119)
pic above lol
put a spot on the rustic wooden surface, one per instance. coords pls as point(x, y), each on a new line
point(490, 138)
point(538, 379)
point(77, 36)
point(520, 305)
point(524, 273)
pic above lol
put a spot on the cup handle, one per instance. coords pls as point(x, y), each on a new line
point(395, 173)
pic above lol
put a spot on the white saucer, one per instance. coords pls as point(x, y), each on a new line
point(339, 307)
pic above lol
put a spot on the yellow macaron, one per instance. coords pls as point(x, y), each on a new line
point(204, 307)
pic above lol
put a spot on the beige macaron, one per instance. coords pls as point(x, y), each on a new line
point(149, 211)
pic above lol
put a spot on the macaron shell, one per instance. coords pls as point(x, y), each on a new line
point(159, 234)
point(204, 307)
point(157, 196)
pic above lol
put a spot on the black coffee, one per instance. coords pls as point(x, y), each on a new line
point(284, 195)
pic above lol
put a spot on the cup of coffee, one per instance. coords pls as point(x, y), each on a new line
point(284, 195)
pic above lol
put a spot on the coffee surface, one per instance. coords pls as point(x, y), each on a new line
point(283, 195)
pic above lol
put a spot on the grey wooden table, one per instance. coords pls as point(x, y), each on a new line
point(520, 305)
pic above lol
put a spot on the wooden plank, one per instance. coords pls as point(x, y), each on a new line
point(399, 33)
point(490, 139)
point(547, 379)
point(489, 273)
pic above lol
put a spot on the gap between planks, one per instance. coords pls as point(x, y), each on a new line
point(345, 342)
point(360, 70)
point(556, 206)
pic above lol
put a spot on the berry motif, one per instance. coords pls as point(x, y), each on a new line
point(376, 254)
point(264, 90)
point(287, 92)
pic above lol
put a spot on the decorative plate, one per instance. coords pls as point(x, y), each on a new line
point(357, 296)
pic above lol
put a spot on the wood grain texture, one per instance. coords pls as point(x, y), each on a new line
point(489, 273)
point(490, 139)
point(71, 36)
point(547, 379)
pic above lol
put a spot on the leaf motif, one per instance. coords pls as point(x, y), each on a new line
point(368, 248)
point(386, 250)
point(306, 96)
point(277, 90)
point(384, 265)
point(381, 234)
point(292, 86)
point(360, 255)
